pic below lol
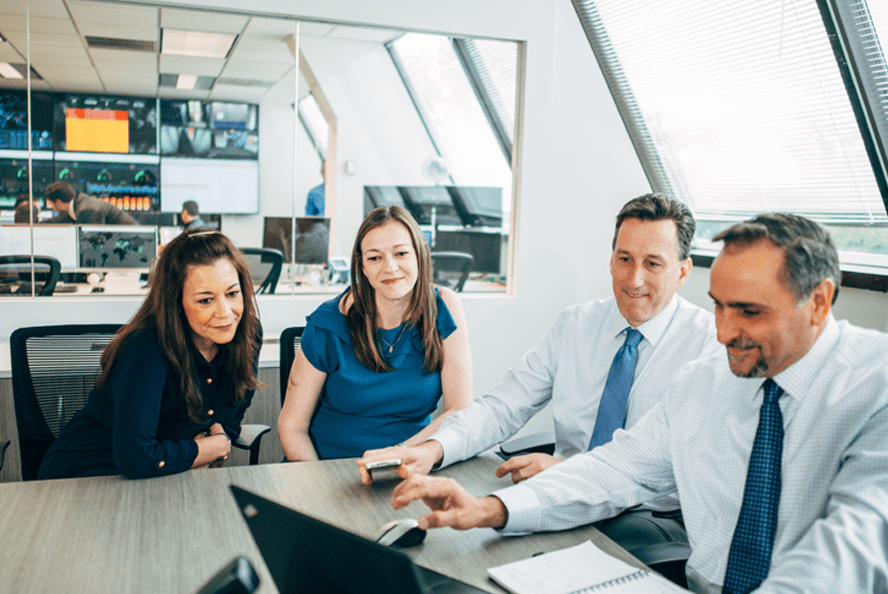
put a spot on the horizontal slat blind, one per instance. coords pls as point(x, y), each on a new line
point(736, 107)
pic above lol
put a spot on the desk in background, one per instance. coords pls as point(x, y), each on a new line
point(171, 534)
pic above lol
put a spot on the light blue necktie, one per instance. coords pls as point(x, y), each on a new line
point(612, 408)
point(750, 555)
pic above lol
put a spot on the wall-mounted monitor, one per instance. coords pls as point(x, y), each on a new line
point(376, 196)
point(311, 240)
point(218, 186)
point(14, 180)
point(129, 186)
point(116, 247)
point(58, 241)
point(209, 130)
point(106, 124)
point(14, 120)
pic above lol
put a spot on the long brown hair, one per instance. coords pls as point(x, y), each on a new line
point(163, 311)
point(423, 311)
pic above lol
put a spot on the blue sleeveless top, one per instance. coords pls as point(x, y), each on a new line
point(361, 409)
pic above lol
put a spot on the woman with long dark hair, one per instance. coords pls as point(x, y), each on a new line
point(176, 380)
point(375, 361)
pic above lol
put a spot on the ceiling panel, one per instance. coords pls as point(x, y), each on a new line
point(134, 60)
point(279, 55)
point(187, 65)
point(39, 8)
point(20, 83)
point(138, 32)
point(20, 39)
point(10, 23)
point(255, 70)
point(316, 29)
point(8, 54)
point(112, 13)
point(190, 20)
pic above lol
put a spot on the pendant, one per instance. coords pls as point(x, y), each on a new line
point(392, 349)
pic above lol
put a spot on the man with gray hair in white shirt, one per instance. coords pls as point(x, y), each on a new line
point(782, 482)
point(603, 364)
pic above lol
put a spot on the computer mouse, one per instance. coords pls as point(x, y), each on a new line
point(400, 533)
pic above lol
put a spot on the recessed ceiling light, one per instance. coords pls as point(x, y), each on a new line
point(196, 43)
point(8, 71)
point(186, 81)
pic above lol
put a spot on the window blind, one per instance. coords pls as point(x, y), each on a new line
point(736, 108)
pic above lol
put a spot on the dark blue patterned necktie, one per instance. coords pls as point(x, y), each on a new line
point(750, 555)
point(612, 408)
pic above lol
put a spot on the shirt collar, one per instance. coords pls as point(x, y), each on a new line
point(653, 329)
point(796, 379)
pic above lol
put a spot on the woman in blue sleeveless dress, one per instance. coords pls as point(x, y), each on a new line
point(375, 361)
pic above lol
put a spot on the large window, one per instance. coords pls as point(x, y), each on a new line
point(741, 108)
point(464, 91)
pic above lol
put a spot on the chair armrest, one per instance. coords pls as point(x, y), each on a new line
point(249, 434)
point(538, 442)
point(664, 552)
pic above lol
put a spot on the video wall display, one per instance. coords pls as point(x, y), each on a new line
point(14, 120)
point(206, 139)
point(14, 180)
point(209, 129)
point(106, 124)
point(128, 186)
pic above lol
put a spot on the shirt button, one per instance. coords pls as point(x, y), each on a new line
point(209, 380)
point(210, 412)
point(161, 464)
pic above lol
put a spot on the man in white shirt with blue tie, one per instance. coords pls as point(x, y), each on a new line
point(575, 363)
point(783, 482)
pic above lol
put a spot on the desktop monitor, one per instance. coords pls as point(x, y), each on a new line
point(58, 241)
point(478, 206)
point(311, 241)
point(116, 247)
point(430, 205)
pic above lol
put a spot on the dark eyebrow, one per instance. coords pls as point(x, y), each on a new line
point(736, 304)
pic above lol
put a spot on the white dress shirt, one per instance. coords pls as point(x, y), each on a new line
point(569, 367)
point(832, 530)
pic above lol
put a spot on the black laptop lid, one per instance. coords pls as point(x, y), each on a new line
point(307, 555)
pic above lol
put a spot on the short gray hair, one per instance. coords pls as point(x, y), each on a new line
point(809, 253)
point(658, 207)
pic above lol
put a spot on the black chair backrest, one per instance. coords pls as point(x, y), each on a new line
point(290, 340)
point(53, 370)
point(17, 270)
point(266, 256)
point(456, 262)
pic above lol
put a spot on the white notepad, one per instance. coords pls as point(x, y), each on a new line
point(582, 569)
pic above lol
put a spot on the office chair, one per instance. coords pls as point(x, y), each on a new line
point(667, 557)
point(451, 269)
point(54, 368)
point(290, 341)
point(15, 271)
point(257, 259)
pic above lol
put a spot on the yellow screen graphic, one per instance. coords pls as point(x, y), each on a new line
point(97, 130)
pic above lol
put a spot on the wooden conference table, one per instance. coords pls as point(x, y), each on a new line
point(172, 534)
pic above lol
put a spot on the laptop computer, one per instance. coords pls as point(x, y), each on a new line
point(304, 554)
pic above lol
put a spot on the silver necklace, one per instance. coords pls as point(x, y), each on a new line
point(391, 346)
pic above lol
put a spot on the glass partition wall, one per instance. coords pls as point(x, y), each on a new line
point(285, 133)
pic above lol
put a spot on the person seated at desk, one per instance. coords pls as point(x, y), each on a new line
point(190, 215)
point(577, 364)
point(778, 451)
point(175, 382)
point(81, 209)
point(375, 361)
